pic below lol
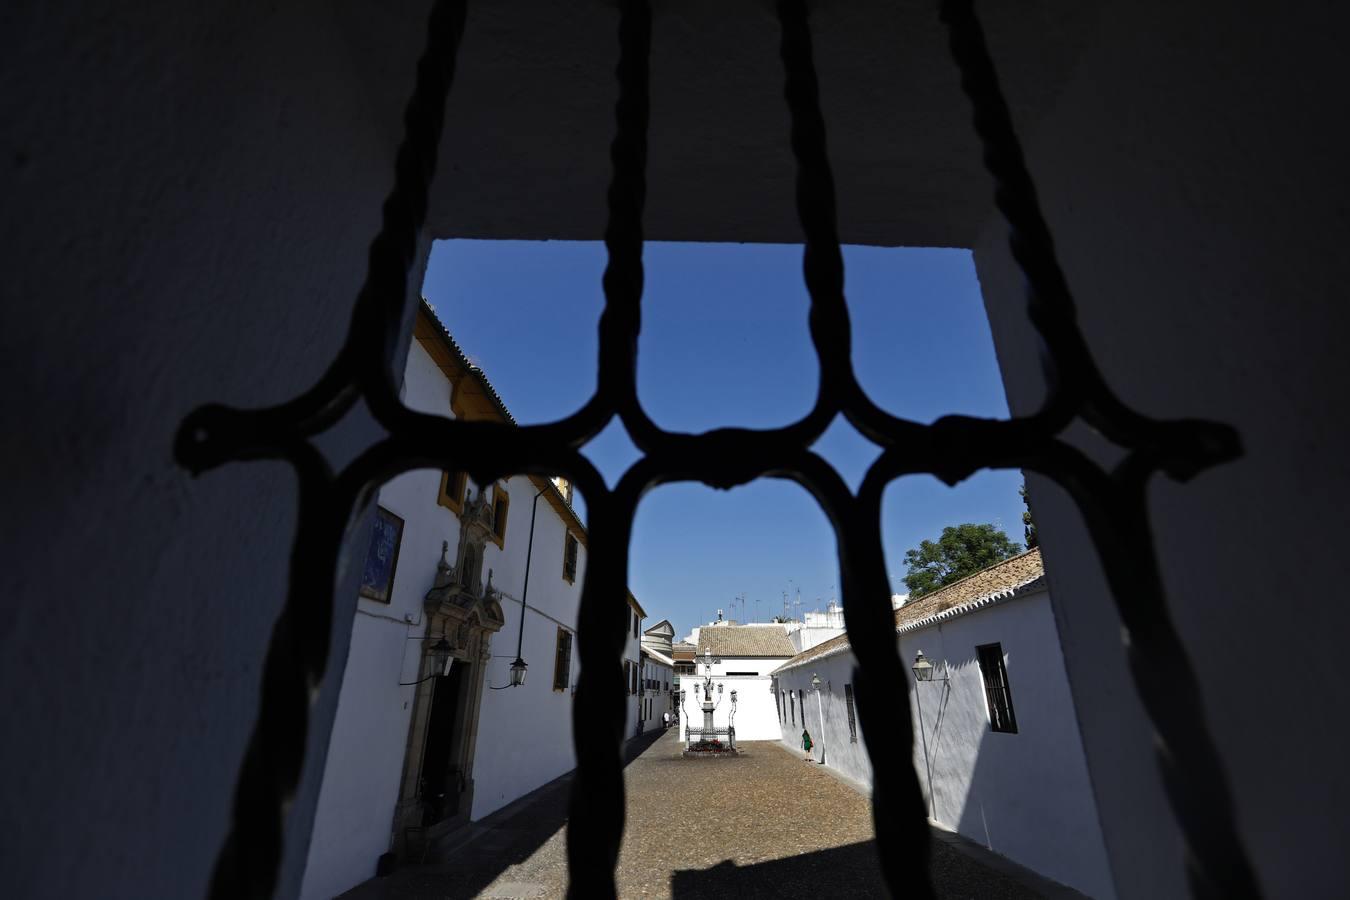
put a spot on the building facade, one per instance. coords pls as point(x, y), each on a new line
point(658, 648)
point(658, 685)
point(997, 750)
point(632, 669)
point(432, 730)
point(816, 626)
point(683, 652)
point(739, 658)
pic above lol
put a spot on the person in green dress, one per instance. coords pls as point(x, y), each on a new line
point(806, 743)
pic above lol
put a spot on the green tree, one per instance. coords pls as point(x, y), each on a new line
point(1028, 526)
point(961, 550)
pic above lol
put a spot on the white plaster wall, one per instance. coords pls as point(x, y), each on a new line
point(353, 825)
point(1196, 190)
point(354, 820)
point(176, 231)
point(756, 718)
point(660, 697)
point(756, 664)
point(1026, 795)
point(525, 733)
point(808, 636)
point(632, 650)
point(842, 752)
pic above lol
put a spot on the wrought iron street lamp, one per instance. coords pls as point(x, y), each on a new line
point(442, 658)
point(518, 666)
point(820, 711)
point(923, 671)
point(518, 669)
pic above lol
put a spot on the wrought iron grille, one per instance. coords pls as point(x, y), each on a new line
point(1112, 501)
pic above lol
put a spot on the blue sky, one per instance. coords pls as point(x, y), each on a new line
point(724, 342)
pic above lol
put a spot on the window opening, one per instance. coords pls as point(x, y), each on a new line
point(562, 660)
point(997, 692)
point(852, 720)
point(501, 505)
point(570, 558)
point(453, 486)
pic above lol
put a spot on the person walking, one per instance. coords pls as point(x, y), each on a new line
point(665, 719)
point(807, 745)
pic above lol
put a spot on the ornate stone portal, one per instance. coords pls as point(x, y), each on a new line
point(437, 789)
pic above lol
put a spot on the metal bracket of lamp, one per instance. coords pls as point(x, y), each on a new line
point(518, 665)
point(820, 711)
point(441, 659)
point(924, 671)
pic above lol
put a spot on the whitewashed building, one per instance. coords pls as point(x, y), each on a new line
point(816, 627)
point(632, 668)
point(740, 658)
point(657, 686)
point(430, 732)
point(660, 637)
point(658, 654)
point(997, 745)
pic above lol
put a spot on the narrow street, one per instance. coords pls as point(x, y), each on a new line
point(766, 824)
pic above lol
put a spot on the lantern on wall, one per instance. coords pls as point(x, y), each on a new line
point(441, 660)
point(923, 669)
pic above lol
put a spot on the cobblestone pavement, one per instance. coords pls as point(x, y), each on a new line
point(769, 824)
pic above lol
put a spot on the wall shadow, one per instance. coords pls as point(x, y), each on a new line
point(505, 838)
point(1005, 794)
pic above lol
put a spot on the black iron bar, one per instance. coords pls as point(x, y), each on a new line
point(1113, 503)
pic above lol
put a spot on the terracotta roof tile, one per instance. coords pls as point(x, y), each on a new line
point(999, 578)
point(745, 641)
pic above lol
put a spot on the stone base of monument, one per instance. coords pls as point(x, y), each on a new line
point(709, 750)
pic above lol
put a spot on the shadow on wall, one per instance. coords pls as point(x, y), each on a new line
point(850, 870)
point(1026, 814)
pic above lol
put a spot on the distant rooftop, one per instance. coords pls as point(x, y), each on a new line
point(746, 641)
point(999, 580)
